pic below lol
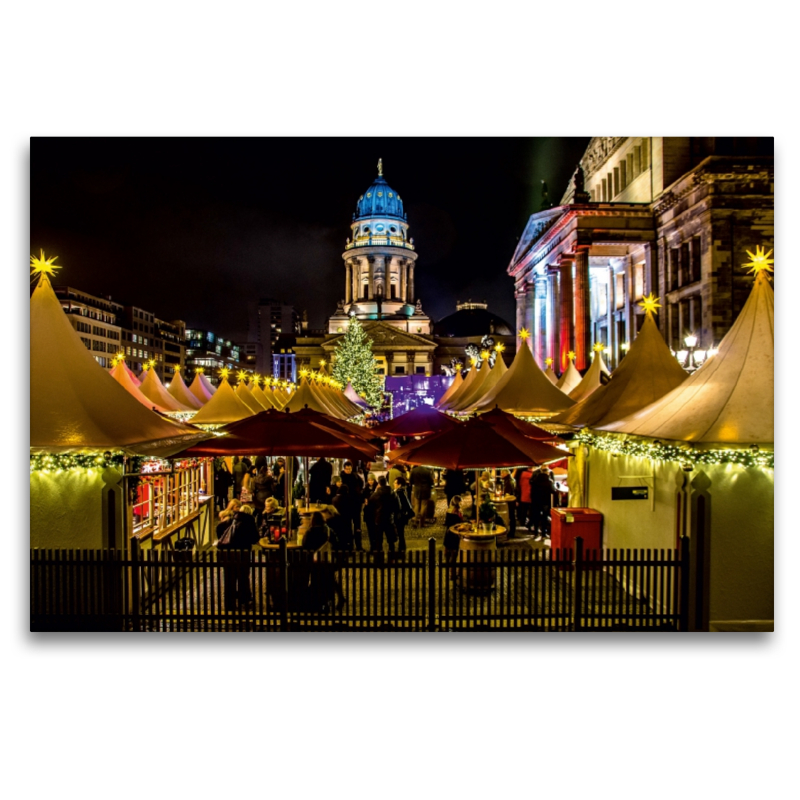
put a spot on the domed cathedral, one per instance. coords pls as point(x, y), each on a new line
point(379, 261)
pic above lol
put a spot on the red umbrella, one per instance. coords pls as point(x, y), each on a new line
point(419, 422)
point(499, 417)
point(278, 433)
point(476, 444)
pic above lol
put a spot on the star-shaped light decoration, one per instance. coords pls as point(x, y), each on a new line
point(177, 368)
point(759, 261)
point(650, 304)
point(200, 370)
point(571, 355)
point(256, 378)
point(473, 361)
point(118, 357)
point(524, 334)
point(459, 366)
point(241, 376)
point(598, 347)
point(548, 362)
point(303, 372)
point(43, 265)
point(484, 355)
point(223, 373)
point(322, 362)
point(151, 363)
point(499, 347)
point(145, 366)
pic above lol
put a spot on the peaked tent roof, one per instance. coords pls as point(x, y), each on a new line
point(472, 376)
point(303, 397)
point(199, 390)
point(154, 390)
point(264, 398)
point(210, 388)
point(245, 395)
point(492, 379)
point(90, 411)
point(731, 398)
point(178, 389)
point(354, 397)
point(552, 375)
point(570, 379)
point(591, 380)
point(451, 390)
point(224, 407)
point(471, 393)
point(525, 390)
point(648, 372)
point(121, 376)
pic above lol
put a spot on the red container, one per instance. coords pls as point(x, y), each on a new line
point(568, 523)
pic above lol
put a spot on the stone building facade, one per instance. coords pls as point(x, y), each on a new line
point(672, 216)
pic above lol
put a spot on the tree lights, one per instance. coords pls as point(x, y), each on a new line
point(61, 462)
point(355, 364)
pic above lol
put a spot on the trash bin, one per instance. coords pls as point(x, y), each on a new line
point(569, 523)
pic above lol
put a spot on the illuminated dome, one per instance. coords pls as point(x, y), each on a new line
point(380, 200)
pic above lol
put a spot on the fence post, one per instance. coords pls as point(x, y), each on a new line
point(284, 580)
point(431, 584)
point(577, 584)
point(683, 624)
point(135, 594)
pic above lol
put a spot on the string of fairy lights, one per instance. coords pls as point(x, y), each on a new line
point(63, 462)
point(686, 455)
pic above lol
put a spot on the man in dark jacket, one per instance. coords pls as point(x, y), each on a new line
point(355, 487)
point(510, 490)
point(320, 476)
point(542, 490)
point(421, 490)
point(383, 502)
point(404, 511)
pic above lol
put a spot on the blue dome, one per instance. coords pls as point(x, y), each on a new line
point(380, 200)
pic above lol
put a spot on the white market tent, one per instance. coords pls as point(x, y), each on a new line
point(525, 390)
point(353, 396)
point(466, 384)
point(449, 392)
point(593, 379)
point(729, 400)
point(90, 411)
point(647, 373)
point(123, 378)
point(570, 379)
point(181, 393)
point(199, 390)
point(152, 388)
point(469, 393)
point(305, 397)
point(551, 374)
point(244, 394)
point(209, 387)
point(224, 407)
point(266, 399)
point(492, 379)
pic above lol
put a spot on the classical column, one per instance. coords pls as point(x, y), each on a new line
point(552, 315)
point(612, 310)
point(410, 283)
point(389, 363)
point(348, 285)
point(628, 288)
point(540, 323)
point(520, 294)
point(379, 281)
point(583, 317)
point(410, 362)
point(371, 285)
point(566, 323)
point(403, 275)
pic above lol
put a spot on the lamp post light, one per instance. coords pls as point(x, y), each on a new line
point(691, 358)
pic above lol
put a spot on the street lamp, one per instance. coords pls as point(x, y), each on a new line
point(691, 358)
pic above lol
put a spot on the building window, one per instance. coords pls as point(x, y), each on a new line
point(696, 268)
point(685, 275)
point(616, 181)
point(638, 281)
point(620, 290)
point(674, 267)
point(645, 154)
point(420, 370)
point(400, 370)
point(623, 176)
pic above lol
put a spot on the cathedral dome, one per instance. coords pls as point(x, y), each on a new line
point(472, 319)
point(380, 200)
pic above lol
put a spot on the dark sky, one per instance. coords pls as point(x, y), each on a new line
point(194, 228)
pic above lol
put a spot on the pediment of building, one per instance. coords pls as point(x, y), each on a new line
point(385, 335)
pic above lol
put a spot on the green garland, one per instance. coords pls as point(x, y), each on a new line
point(685, 455)
point(55, 462)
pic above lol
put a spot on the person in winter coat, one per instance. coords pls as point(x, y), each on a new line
point(234, 542)
point(355, 488)
point(524, 497)
point(452, 540)
point(383, 503)
point(223, 480)
point(454, 483)
point(320, 476)
point(542, 490)
point(510, 490)
point(369, 509)
point(404, 511)
point(421, 480)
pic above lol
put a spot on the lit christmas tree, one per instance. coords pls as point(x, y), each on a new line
point(355, 364)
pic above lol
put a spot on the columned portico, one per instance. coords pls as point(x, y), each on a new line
point(583, 320)
point(566, 326)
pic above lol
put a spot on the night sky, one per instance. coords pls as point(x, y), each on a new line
point(194, 228)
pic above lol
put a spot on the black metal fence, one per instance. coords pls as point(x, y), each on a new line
point(292, 590)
